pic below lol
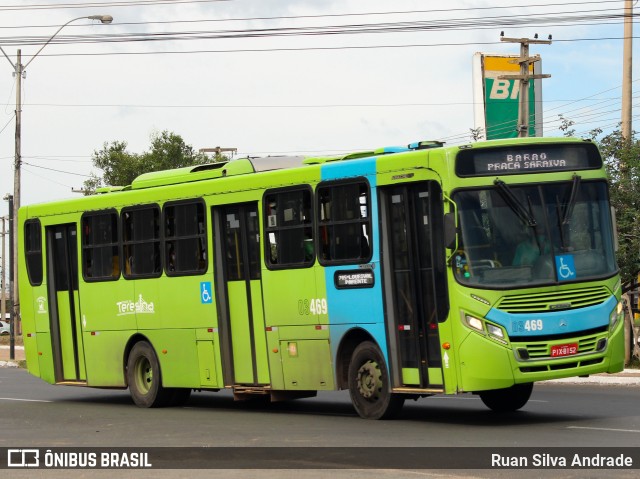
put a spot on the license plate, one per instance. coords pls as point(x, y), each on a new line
point(564, 350)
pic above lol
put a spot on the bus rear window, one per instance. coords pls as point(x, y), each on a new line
point(526, 159)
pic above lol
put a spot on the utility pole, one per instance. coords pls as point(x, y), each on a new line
point(14, 308)
point(217, 151)
point(525, 76)
point(627, 56)
point(19, 71)
point(3, 292)
point(14, 203)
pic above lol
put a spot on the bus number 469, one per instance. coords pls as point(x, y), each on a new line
point(312, 306)
point(529, 325)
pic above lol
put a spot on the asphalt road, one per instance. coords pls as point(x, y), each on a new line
point(33, 413)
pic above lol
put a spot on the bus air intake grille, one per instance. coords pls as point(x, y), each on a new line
point(553, 301)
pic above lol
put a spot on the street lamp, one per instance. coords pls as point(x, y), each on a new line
point(19, 71)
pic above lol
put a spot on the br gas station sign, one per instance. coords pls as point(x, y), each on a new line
point(497, 99)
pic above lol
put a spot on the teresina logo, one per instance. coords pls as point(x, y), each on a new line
point(139, 307)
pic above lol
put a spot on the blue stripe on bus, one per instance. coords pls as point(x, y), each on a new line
point(556, 322)
point(362, 307)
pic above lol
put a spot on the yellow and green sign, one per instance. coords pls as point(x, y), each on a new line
point(497, 100)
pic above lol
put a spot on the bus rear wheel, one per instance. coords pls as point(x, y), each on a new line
point(508, 399)
point(144, 377)
point(369, 384)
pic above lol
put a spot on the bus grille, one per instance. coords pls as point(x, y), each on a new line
point(542, 349)
point(554, 301)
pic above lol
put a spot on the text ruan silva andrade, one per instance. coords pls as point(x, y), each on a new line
point(557, 461)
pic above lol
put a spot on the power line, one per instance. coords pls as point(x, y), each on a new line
point(47, 178)
point(475, 23)
point(10, 120)
point(57, 171)
point(301, 49)
point(134, 3)
point(139, 3)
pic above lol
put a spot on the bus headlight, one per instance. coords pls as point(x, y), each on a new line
point(474, 323)
point(616, 315)
point(495, 331)
point(491, 330)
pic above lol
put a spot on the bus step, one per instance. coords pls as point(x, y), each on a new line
point(406, 390)
point(242, 393)
point(71, 383)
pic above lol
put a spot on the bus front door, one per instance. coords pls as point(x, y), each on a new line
point(64, 303)
point(239, 295)
point(414, 282)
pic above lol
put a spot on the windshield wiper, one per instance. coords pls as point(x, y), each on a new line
point(564, 216)
point(512, 201)
point(568, 207)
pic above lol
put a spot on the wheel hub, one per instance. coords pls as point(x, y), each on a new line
point(369, 380)
point(144, 375)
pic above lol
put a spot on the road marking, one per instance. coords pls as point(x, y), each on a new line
point(24, 400)
point(604, 429)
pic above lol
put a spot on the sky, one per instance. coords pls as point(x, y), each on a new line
point(215, 73)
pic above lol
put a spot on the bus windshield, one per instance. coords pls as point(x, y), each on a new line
point(523, 235)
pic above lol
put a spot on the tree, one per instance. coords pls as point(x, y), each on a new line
point(622, 159)
point(565, 126)
point(477, 134)
point(120, 167)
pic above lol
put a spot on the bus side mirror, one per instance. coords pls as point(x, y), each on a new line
point(450, 233)
point(614, 221)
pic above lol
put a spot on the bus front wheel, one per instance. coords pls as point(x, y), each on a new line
point(369, 384)
point(144, 378)
point(508, 399)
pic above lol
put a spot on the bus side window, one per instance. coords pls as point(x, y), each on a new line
point(288, 226)
point(185, 235)
point(344, 222)
point(100, 257)
point(33, 251)
point(141, 241)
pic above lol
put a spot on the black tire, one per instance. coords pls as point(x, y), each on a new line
point(369, 386)
point(508, 399)
point(144, 377)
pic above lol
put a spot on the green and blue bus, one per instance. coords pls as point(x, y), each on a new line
point(395, 273)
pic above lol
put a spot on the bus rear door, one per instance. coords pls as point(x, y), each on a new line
point(64, 303)
point(239, 295)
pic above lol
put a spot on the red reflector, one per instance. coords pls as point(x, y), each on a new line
point(318, 327)
point(433, 326)
point(209, 330)
point(404, 327)
point(93, 333)
point(269, 328)
point(28, 335)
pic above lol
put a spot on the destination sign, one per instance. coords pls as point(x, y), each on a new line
point(526, 159)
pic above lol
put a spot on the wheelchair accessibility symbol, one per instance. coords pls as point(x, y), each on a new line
point(205, 292)
point(565, 267)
